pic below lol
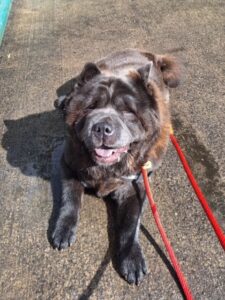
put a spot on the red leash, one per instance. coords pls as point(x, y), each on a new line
point(199, 193)
point(168, 246)
point(203, 202)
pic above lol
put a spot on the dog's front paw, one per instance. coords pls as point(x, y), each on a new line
point(132, 266)
point(64, 234)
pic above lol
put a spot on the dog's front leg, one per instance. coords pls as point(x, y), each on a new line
point(129, 258)
point(65, 230)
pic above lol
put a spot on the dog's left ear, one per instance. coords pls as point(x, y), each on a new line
point(170, 68)
point(62, 102)
point(89, 71)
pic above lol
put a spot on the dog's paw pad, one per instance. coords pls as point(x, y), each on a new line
point(132, 266)
point(63, 236)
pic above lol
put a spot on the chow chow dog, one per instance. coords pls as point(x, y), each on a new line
point(118, 118)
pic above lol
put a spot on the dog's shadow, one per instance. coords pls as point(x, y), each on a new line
point(30, 142)
point(34, 145)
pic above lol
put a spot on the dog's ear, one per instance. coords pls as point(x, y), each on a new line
point(148, 73)
point(62, 102)
point(89, 71)
point(170, 68)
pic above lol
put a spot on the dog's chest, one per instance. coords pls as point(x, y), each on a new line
point(101, 181)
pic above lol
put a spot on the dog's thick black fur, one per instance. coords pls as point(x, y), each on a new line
point(118, 118)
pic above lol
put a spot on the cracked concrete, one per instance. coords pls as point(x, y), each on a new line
point(46, 44)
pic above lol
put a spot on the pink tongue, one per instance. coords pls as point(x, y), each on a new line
point(104, 152)
point(109, 152)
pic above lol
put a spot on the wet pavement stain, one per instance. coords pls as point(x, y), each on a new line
point(203, 165)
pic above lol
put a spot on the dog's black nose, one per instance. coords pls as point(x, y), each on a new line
point(103, 129)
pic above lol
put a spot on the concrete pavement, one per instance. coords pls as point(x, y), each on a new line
point(47, 43)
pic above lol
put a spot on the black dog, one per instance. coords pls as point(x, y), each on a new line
point(118, 118)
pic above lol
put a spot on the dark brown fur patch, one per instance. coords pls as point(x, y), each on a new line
point(157, 151)
point(170, 68)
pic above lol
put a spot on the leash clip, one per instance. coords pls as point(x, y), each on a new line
point(147, 165)
point(171, 130)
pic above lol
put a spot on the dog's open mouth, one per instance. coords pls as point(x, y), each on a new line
point(109, 156)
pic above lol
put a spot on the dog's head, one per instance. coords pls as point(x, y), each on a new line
point(113, 115)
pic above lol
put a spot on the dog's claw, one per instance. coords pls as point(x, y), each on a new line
point(63, 236)
point(132, 267)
